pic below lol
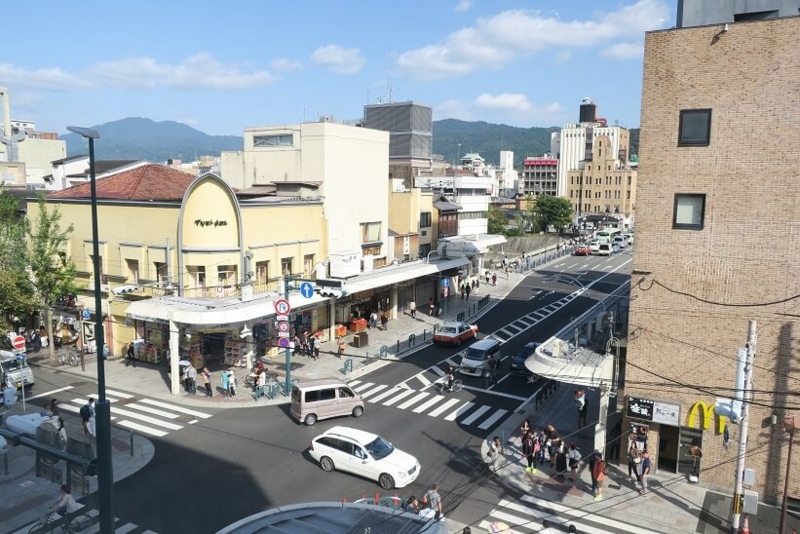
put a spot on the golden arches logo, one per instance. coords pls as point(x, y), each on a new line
point(705, 422)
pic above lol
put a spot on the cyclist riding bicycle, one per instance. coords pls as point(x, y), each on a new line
point(66, 505)
point(450, 376)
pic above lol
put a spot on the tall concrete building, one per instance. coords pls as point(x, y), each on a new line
point(574, 144)
point(717, 220)
point(539, 176)
point(410, 127)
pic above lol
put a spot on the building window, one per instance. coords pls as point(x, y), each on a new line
point(161, 271)
point(695, 127)
point(308, 265)
point(370, 232)
point(226, 275)
point(286, 266)
point(197, 273)
point(133, 271)
point(273, 140)
point(689, 211)
point(425, 219)
point(628, 195)
point(262, 273)
point(424, 250)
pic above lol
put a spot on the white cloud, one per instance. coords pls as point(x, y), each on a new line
point(623, 51)
point(462, 5)
point(283, 64)
point(200, 71)
point(504, 101)
point(54, 79)
point(339, 59)
point(453, 109)
point(510, 35)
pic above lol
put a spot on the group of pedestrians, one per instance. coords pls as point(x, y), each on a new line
point(306, 344)
point(639, 465)
point(429, 506)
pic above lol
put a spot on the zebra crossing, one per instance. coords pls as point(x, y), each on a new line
point(525, 322)
point(447, 408)
point(120, 526)
point(147, 416)
point(527, 516)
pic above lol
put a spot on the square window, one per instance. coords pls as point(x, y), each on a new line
point(695, 127)
point(689, 211)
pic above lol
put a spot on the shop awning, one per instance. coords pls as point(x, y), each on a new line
point(556, 360)
point(400, 273)
point(470, 245)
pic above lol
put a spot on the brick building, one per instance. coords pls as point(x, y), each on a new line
point(718, 214)
point(604, 184)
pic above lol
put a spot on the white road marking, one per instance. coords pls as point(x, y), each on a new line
point(413, 401)
point(118, 394)
point(433, 400)
point(400, 396)
point(385, 394)
point(464, 407)
point(152, 411)
point(181, 409)
point(353, 383)
point(73, 409)
point(373, 391)
point(364, 386)
point(443, 408)
point(47, 393)
point(567, 511)
point(142, 428)
point(145, 418)
point(475, 415)
point(493, 419)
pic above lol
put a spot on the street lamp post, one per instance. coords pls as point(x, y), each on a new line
point(105, 474)
point(788, 426)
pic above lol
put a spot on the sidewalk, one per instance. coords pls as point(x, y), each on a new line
point(24, 497)
point(403, 336)
point(672, 505)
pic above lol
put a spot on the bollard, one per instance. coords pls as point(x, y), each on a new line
point(412, 339)
point(130, 433)
point(424, 335)
point(398, 346)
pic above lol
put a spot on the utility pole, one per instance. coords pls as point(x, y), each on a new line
point(738, 496)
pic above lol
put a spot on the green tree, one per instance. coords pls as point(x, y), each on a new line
point(532, 216)
point(497, 221)
point(554, 211)
point(16, 290)
point(53, 273)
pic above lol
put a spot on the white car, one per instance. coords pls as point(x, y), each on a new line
point(364, 454)
point(594, 246)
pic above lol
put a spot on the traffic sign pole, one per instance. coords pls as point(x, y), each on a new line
point(286, 280)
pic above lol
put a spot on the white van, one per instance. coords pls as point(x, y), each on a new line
point(473, 358)
point(621, 240)
point(324, 398)
point(604, 249)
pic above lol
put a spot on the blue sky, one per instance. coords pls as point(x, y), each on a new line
point(224, 66)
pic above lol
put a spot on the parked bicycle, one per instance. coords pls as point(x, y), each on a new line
point(250, 379)
point(70, 358)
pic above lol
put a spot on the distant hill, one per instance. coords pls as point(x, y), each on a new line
point(489, 139)
point(138, 138)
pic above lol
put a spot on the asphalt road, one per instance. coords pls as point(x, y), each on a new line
point(237, 462)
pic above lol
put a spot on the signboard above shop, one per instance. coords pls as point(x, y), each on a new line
point(664, 413)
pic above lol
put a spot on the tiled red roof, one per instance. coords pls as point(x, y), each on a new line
point(148, 182)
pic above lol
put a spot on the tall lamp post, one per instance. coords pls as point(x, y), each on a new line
point(788, 426)
point(105, 474)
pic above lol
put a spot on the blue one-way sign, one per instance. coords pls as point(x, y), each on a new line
point(445, 282)
point(307, 290)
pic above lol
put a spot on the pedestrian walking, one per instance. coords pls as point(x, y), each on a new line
point(476, 284)
point(530, 446)
point(373, 320)
point(542, 439)
point(413, 307)
point(494, 279)
point(583, 410)
point(384, 321)
point(462, 289)
point(574, 458)
point(468, 291)
point(340, 346)
point(431, 306)
point(634, 459)
point(225, 382)
point(561, 461)
point(206, 377)
point(232, 383)
point(644, 471)
point(553, 442)
point(131, 355)
point(191, 379)
point(494, 454)
point(317, 344)
point(598, 476)
point(433, 500)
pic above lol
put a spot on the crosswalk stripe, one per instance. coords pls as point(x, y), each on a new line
point(443, 408)
point(476, 414)
point(400, 396)
point(367, 394)
point(153, 411)
point(118, 394)
point(493, 419)
point(363, 387)
point(124, 529)
point(96, 397)
point(146, 419)
point(177, 408)
point(354, 383)
point(424, 380)
point(142, 428)
point(387, 393)
point(48, 393)
point(433, 400)
point(567, 511)
point(413, 401)
point(450, 361)
point(464, 407)
point(73, 409)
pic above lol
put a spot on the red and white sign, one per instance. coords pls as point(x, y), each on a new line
point(283, 326)
point(282, 307)
point(18, 342)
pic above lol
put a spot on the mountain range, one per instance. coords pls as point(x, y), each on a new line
point(140, 138)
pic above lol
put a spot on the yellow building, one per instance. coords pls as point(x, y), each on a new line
point(214, 262)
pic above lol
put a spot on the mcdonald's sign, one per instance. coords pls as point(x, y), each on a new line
point(705, 421)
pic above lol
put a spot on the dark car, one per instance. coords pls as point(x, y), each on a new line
point(518, 361)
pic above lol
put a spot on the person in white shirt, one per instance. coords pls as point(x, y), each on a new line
point(66, 505)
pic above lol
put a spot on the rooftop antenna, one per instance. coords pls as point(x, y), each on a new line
point(389, 86)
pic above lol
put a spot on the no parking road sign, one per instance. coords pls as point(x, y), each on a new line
point(283, 342)
point(282, 307)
